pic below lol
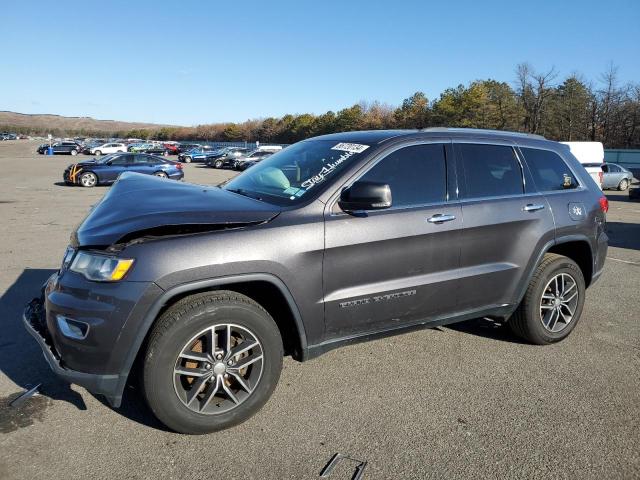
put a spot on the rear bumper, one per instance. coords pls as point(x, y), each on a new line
point(35, 323)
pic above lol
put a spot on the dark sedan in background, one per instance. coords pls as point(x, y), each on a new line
point(107, 169)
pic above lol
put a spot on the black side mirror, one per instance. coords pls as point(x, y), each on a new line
point(365, 196)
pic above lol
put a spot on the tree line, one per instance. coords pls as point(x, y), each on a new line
point(568, 109)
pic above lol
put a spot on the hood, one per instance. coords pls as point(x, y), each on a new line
point(140, 205)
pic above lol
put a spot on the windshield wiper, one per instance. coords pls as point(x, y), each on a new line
point(246, 193)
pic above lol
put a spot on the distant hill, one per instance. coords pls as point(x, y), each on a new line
point(43, 123)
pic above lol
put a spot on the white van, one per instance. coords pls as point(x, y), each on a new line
point(591, 156)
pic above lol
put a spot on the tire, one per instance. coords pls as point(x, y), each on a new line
point(218, 164)
point(187, 159)
point(528, 321)
point(166, 153)
point(623, 185)
point(167, 391)
point(88, 179)
point(74, 152)
point(161, 174)
point(98, 153)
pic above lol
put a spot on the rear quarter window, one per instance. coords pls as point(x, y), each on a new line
point(549, 170)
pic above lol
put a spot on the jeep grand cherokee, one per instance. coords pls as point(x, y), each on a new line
point(333, 240)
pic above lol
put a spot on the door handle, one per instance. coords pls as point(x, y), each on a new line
point(531, 207)
point(441, 218)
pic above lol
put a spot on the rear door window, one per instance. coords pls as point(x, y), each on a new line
point(416, 175)
point(490, 170)
point(549, 170)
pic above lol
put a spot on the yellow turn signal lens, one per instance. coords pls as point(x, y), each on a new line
point(121, 269)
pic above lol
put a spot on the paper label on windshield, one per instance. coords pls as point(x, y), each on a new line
point(350, 147)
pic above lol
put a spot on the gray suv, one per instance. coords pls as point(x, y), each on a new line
point(334, 240)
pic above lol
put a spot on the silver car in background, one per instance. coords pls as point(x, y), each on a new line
point(616, 177)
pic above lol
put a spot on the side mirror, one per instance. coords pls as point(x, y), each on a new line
point(365, 196)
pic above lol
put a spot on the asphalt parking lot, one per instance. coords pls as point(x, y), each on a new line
point(469, 401)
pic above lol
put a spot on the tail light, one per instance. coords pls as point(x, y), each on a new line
point(604, 204)
point(179, 166)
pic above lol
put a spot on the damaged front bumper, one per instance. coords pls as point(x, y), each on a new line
point(34, 321)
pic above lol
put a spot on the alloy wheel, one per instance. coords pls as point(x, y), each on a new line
point(559, 302)
point(88, 180)
point(218, 369)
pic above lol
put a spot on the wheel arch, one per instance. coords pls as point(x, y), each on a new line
point(575, 247)
point(266, 289)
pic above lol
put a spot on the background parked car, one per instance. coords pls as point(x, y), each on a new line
point(185, 147)
point(107, 148)
point(154, 149)
point(616, 177)
point(225, 156)
point(244, 162)
point(106, 170)
point(198, 154)
point(66, 148)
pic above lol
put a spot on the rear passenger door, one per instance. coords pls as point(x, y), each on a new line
point(506, 223)
point(384, 269)
point(141, 163)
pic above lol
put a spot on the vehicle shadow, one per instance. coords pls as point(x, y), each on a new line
point(624, 235)
point(486, 328)
point(21, 359)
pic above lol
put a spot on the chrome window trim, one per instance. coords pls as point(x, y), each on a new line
point(366, 168)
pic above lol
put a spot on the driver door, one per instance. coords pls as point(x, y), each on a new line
point(388, 268)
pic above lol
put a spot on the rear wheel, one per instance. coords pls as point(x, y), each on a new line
point(74, 152)
point(160, 174)
point(88, 179)
point(213, 360)
point(553, 302)
point(623, 185)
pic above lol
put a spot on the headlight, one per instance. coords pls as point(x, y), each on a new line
point(100, 268)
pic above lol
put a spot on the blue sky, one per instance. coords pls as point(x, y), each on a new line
point(192, 62)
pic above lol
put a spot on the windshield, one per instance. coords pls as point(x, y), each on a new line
point(286, 177)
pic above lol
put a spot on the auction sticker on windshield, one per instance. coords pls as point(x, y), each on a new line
point(350, 147)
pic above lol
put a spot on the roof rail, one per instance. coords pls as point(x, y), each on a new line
point(483, 130)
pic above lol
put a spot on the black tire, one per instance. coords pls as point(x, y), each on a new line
point(74, 152)
point(98, 153)
point(623, 185)
point(526, 321)
point(187, 159)
point(218, 164)
point(161, 174)
point(176, 327)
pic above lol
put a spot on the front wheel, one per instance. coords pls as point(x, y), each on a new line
point(88, 179)
point(187, 159)
point(213, 360)
point(553, 302)
point(74, 152)
point(218, 164)
point(623, 185)
point(98, 153)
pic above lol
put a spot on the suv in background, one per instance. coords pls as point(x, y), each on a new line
point(67, 148)
point(334, 240)
point(107, 148)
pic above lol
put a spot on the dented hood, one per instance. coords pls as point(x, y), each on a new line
point(140, 205)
